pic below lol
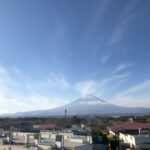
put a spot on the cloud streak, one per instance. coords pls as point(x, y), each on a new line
point(87, 87)
point(96, 87)
point(128, 14)
point(105, 58)
point(99, 14)
point(57, 81)
point(137, 95)
point(122, 67)
point(23, 95)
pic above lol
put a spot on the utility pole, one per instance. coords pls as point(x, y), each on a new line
point(65, 113)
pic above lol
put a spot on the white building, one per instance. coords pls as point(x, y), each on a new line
point(131, 133)
point(134, 140)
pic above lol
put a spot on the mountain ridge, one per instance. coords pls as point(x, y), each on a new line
point(87, 104)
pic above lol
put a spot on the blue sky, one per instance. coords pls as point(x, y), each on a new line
point(52, 52)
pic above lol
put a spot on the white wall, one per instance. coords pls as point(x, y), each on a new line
point(66, 135)
point(36, 126)
point(81, 139)
point(127, 139)
point(77, 140)
point(45, 134)
point(23, 134)
point(111, 133)
point(134, 140)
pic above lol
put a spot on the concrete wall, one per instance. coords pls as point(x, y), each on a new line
point(134, 140)
point(66, 135)
point(89, 139)
point(44, 147)
point(127, 139)
point(91, 147)
point(76, 140)
point(45, 134)
point(141, 140)
point(36, 126)
point(23, 134)
point(81, 139)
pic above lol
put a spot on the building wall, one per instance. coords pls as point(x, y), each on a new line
point(36, 126)
point(111, 133)
point(66, 135)
point(23, 134)
point(134, 140)
point(141, 140)
point(127, 139)
point(45, 134)
point(81, 139)
point(77, 140)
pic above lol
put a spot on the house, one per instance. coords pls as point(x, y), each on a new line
point(22, 125)
point(128, 128)
point(134, 140)
point(47, 127)
point(131, 133)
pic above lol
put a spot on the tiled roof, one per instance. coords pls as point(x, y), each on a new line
point(47, 126)
point(129, 126)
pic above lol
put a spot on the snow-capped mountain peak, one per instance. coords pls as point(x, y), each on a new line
point(90, 99)
point(92, 102)
point(87, 104)
point(88, 96)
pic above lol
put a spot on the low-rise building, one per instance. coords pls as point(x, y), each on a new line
point(22, 125)
point(47, 127)
point(131, 133)
point(36, 126)
point(134, 140)
point(73, 139)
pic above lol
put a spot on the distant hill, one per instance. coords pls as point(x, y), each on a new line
point(86, 105)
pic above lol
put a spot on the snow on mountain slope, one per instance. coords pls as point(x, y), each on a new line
point(88, 104)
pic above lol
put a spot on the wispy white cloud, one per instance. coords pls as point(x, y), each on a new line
point(105, 81)
point(87, 87)
point(128, 14)
point(105, 58)
point(98, 16)
point(28, 103)
point(22, 96)
point(57, 81)
point(122, 67)
point(137, 95)
point(100, 11)
point(96, 87)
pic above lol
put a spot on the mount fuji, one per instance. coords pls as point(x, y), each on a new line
point(86, 105)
